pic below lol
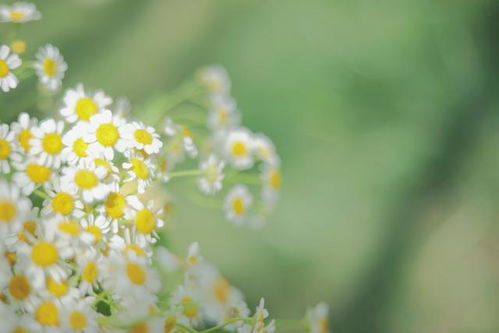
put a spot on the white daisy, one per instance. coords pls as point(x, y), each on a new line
point(193, 254)
point(187, 304)
point(7, 149)
point(19, 12)
point(90, 266)
point(47, 143)
point(223, 115)
point(31, 174)
point(237, 203)
point(78, 316)
point(8, 62)
point(115, 205)
point(265, 149)
point(215, 78)
point(47, 312)
point(62, 200)
point(88, 180)
point(106, 134)
point(81, 105)
point(259, 326)
point(317, 318)
point(13, 208)
point(211, 182)
point(96, 230)
point(50, 67)
point(271, 178)
point(76, 148)
point(29, 225)
point(143, 138)
point(140, 170)
point(239, 148)
point(146, 220)
point(59, 290)
point(127, 243)
point(23, 130)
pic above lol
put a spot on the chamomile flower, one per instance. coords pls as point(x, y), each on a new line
point(106, 134)
point(146, 220)
point(265, 149)
point(89, 262)
point(50, 67)
point(237, 203)
point(128, 244)
point(239, 149)
point(141, 170)
point(271, 177)
point(112, 173)
point(76, 148)
point(7, 148)
point(20, 292)
point(96, 229)
point(47, 312)
point(317, 318)
point(189, 146)
point(215, 78)
point(63, 200)
point(8, 62)
point(47, 143)
point(143, 138)
point(188, 306)
point(211, 182)
point(115, 205)
point(80, 105)
point(122, 107)
point(19, 12)
point(193, 254)
point(88, 180)
point(59, 290)
point(78, 316)
point(31, 174)
point(13, 208)
point(23, 130)
point(223, 115)
point(260, 316)
point(180, 142)
point(151, 325)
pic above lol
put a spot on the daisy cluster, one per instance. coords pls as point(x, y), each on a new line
point(82, 210)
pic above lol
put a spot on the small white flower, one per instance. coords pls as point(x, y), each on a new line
point(146, 220)
point(259, 327)
point(50, 67)
point(31, 174)
point(81, 105)
point(76, 148)
point(90, 264)
point(77, 316)
point(47, 313)
point(317, 318)
point(237, 203)
point(8, 62)
point(143, 138)
point(19, 12)
point(7, 149)
point(141, 170)
point(215, 78)
point(47, 144)
point(271, 178)
point(211, 182)
point(63, 200)
point(96, 230)
point(88, 180)
point(106, 134)
point(23, 130)
point(193, 254)
point(115, 205)
point(223, 115)
point(239, 148)
point(265, 149)
point(13, 208)
point(187, 304)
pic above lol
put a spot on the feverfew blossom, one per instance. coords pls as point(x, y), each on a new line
point(50, 67)
point(8, 62)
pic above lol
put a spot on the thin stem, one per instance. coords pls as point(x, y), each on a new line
point(186, 173)
point(228, 322)
point(187, 328)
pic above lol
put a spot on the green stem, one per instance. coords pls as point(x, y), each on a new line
point(187, 328)
point(41, 194)
point(186, 173)
point(228, 322)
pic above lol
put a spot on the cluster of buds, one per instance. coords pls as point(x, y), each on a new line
point(82, 206)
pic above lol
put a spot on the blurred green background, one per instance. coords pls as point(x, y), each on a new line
point(385, 115)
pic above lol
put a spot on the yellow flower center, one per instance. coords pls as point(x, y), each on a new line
point(275, 179)
point(89, 273)
point(139, 328)
point(221, 289)
point(80, 147)
point(47, 314)
point(86, 108)
point(57, 289)
point(63, 203)
point(145, 221)
point(239, 149)
point(86, 179)
point(24, 136)
point(19, 287)
point(190, 308)
point(107, 135)
point(49, 67)
point(44, 254)
point(38, 173)
point(17, 15)
point(8, 211)
point(223, 116)
point(69, 227)
point(11, 257)
point(115, 205)
point(30, 226)
point(4, 149)
point(238, 206)
point(135, 273)
point(143, 136)
point(95, 231)
point(135, 248)
point(4, 69)
point(77, 320)
point(18, 46)
point(19, 329)
point(170, 324)
point(140, 169)
point(52, 143)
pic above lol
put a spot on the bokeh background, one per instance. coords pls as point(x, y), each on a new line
point(386, 116)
